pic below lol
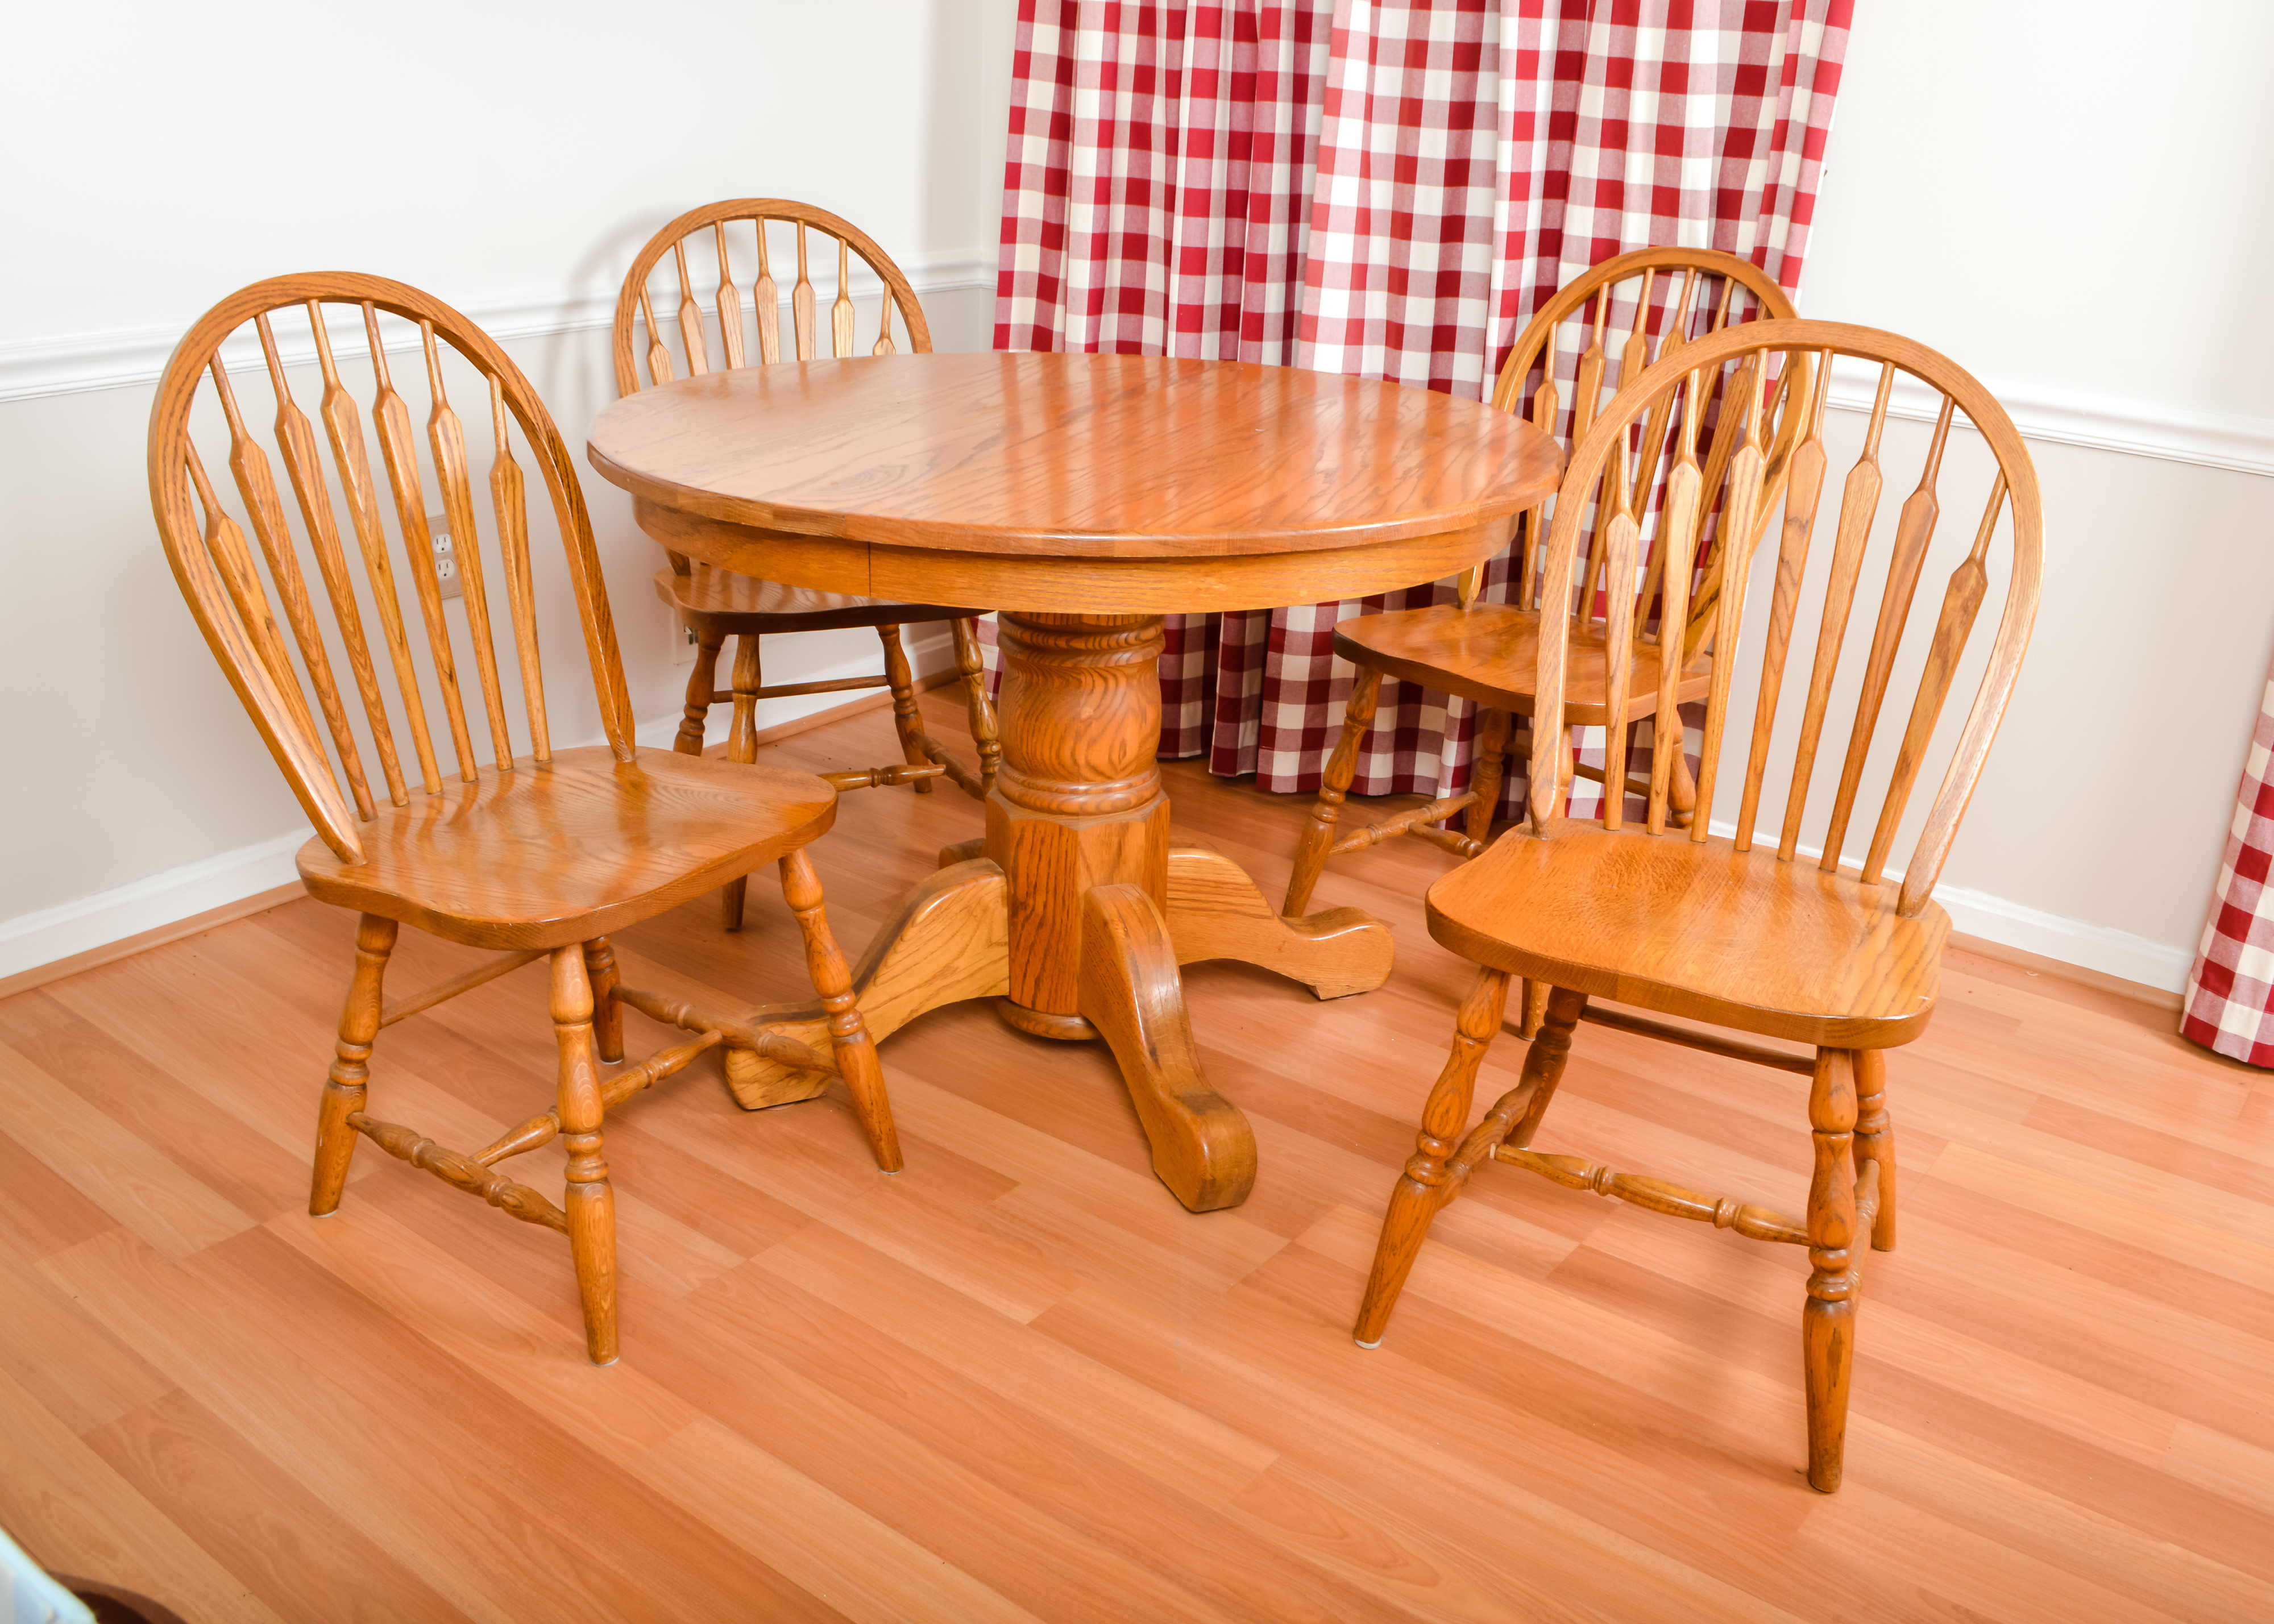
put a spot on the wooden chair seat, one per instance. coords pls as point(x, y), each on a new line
point(759, 607)
point(483, 863)
point(1488, 652)
point(1698, 929)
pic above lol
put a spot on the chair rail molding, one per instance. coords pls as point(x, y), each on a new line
point(31, 940)
point(2051, 415)
point(128, 358)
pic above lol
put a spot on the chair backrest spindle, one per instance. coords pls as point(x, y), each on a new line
point(1676, 545)
point(692, 343)
point(352, 461)
point(840, 313)
point(1748, 410)
point(1914, 530)
point(800, 302)
point(256, 483)
point(730, 302)
point(1804, 489)
point(398, 450)
point(510, 504)
point(763, 294)
point(446, 440)
point(296, 439)
point(1859, 505)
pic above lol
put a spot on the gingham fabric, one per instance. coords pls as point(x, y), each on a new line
point(2230, 1003)
point(1386, 190)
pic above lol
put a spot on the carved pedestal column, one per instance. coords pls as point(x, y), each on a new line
point(1077, 802)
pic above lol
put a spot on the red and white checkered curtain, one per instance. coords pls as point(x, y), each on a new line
point(1386, 190)
point(2229, 1000)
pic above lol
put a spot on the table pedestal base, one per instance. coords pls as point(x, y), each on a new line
point(1080, 908)
point(950, 941)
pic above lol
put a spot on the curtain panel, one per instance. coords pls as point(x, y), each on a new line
point(2230, 993)
point(1386, 190)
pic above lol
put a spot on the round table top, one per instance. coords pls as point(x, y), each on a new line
point(1085, 459)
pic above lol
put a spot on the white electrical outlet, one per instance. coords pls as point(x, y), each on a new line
point(682, 641)
point(446, 556)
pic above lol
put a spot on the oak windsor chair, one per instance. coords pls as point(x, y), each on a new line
point(544, 851)
point(716, 604)
point(1485, 652)
point(1835, 954)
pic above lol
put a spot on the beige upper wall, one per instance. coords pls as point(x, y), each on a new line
point(2019, 182)
point(164, 154)
point(2072, 202)
point(507, 158)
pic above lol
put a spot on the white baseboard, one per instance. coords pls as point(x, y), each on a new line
point(31, 940)
point(2072, 941)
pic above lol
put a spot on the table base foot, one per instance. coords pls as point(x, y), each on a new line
point(1202, 1148)
point(1215, 912)
point(950, 940)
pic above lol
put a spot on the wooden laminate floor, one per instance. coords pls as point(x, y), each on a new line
point(1019, 1381)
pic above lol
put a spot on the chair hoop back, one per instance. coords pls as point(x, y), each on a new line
point(1646, 306)
point(641, 337)
point(237, 604)
point(1801, 353)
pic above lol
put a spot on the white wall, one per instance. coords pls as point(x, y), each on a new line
point(2072, 202)
point(511, 159)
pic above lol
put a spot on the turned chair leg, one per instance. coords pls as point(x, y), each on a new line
point(1683, 788)
point(1875, 1140)
point(589, 1202)
point(971, 666)
point(1559, 1009)
point(702, 682)
point(741, 746)
point(906, 720)
point(849, 1033)
point(1334, 785)
point(1427, 1183)
point(1828, 1325)
point(608, 1014)
point(1485, 775)
point(350, 1073)
point(1533, 1012)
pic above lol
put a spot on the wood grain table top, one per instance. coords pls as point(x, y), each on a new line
point(1081, 457)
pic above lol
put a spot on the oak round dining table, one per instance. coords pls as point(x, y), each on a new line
point(1084, 497)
